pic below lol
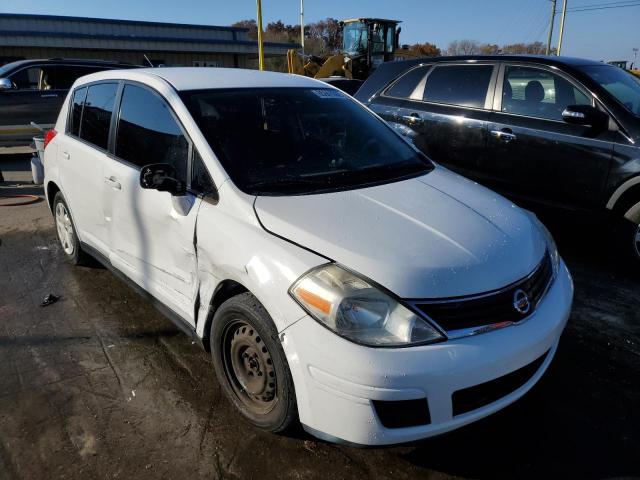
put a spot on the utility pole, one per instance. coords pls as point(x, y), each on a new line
point(260, 46)
point(302, 25)
point(553, 16)
point(564, 14)
point(635, 57)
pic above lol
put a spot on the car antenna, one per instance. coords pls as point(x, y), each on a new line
point(147, 59)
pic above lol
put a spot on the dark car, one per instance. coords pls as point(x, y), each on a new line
point(33, 91)
point(558, 131)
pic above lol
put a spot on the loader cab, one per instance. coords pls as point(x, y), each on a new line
point(369, 42)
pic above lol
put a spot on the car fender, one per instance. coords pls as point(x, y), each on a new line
point(232, 245)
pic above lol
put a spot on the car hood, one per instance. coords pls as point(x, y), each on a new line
point(434, 236)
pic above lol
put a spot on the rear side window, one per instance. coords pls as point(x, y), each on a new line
point(96, 115)
point(61, 77)
point(148, 133)
point(464, 85)
point(406, 85)
point(76, 111)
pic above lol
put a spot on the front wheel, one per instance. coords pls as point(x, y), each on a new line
point(629, 241)
point(251, 365)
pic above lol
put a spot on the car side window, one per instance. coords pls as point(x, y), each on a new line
point(77, 103)
point(535, 92)
point(464, 85)
point(148, 132)
point(96, 114)
point(27, 78)
point(407, 83)
point(61, 77)
point(200, 179)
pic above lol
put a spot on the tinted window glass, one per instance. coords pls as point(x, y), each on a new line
point(624, 87)
point(96, 115)
point(538, 93)
point(405, 86)
point(281, 141)
point(464, 85)
point(61, 77)
point(148, 133)
point(76, 110)
point(200, 178)
point(27, 79)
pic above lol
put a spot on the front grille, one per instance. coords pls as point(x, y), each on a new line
point(490, 308)
point(472, 398)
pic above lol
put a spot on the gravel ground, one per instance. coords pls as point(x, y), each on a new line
point(100, 385)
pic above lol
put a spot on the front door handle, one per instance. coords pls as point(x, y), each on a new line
point(49, 95)
point(115, 184)
point(506, 135)
point(413, 118)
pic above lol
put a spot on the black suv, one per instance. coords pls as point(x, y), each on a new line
point(554, 130)
point(33, 91)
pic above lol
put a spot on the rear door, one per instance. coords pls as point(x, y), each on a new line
point(83, 156)
point(443, 110)
point(532, 153)
point(151, 233)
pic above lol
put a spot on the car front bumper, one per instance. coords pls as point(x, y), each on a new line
point(337, 382)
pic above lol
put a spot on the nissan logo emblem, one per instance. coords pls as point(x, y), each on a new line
point(521, 302)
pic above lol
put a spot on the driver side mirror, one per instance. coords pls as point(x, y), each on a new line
point(161, 177)
point(5, 84)
point(585, 115)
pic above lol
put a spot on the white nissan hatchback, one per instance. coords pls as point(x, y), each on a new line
point(336, 274)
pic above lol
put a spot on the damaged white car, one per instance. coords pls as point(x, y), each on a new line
point(337, 276)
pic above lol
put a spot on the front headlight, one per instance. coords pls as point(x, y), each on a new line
point(358, 311)
point(551, 244)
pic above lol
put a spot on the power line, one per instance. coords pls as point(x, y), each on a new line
point(590, 9)
point(602, 4)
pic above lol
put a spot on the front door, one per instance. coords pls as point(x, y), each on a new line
point(151, 233)
point(532, 153)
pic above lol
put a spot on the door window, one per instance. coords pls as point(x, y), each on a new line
point(27, 78)
point(96, 115)
point(200, 179)
point(464, 85)
point(535, 92)
point(76, 111)
point(407, 84)
point(148, 132)
point(61, 77)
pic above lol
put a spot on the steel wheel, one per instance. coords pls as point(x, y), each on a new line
point(249, 367)
point(65, 229)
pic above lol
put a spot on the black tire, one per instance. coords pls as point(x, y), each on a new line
point(629, 242)
point(69, 240)
point(251, 365)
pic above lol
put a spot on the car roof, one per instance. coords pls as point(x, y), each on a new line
point(201, 78)
point(66, 61)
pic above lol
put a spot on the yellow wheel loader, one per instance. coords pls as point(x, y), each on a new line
point(366, 43)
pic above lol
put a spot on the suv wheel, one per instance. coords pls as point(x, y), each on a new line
point(67, 232)
point(251, 365)
point(629, 241)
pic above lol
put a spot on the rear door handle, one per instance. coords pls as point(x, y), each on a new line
point(413, 118)
point(506, 135)
point(115, 184)
point(66, 155)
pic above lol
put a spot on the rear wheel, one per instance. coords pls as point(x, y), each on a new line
point(251, 365)
point(66, 231)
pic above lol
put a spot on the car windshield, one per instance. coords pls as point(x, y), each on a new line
point(621, 84)
point(288, 141)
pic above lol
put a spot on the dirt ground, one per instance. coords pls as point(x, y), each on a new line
point(100, 385)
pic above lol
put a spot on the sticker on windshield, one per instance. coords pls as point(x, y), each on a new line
point(328, 93)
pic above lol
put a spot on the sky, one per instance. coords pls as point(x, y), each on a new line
point(606, 34)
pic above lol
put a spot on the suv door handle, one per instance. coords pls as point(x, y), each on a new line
point(506, 135)
point(413, 118)
point(49, 95)
point(115, 184)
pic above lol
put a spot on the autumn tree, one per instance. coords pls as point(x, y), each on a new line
point(425, 49)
